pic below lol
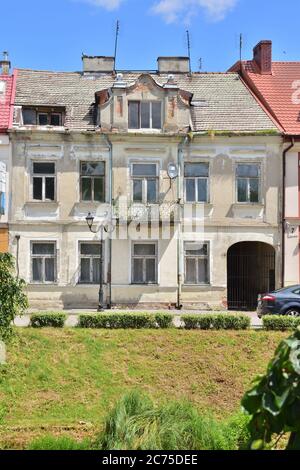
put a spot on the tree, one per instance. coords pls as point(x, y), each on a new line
point(13, 300)
point(274, 401)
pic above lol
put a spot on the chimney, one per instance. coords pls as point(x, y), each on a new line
point(98, 64)
point(5, 64)
point(262, 54)
point(173, 64)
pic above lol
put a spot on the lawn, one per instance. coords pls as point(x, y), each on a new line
point(63, 381)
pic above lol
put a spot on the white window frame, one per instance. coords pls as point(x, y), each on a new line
point(196, 178)
point(91, 257)
point(150, 128)
point(259, 178)
point(43, 176)
point(44, 256)
point(144, 182)
point(144, 257)
point(197, 257)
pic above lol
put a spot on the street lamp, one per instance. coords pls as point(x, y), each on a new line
point(90, 221)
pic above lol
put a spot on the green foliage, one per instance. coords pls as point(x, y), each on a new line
point(57, 443)
point(136, 423)
point(274, 400)
point(125, 320)
point(13, 300)
point(48, 319)
point(280, 323)
point(216, 322)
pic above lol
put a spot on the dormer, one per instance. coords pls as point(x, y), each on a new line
point(143, 106)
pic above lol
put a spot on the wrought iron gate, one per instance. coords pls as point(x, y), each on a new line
point(251, 271)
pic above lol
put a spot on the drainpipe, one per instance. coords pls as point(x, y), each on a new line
point(108, 141)
point(283, 210)
point(180, 206)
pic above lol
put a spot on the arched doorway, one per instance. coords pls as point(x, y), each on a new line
point(250, 271)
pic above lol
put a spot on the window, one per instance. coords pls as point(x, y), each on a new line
point(196, 260)
point(144, 263)
point(248, 183)
point(2, 88)
point(144, 182)
point(92, 181)
point(42, 117)
point(43, 258)
point(43, 181)
point(144, 114)
point(196, 182)
point(90, 263)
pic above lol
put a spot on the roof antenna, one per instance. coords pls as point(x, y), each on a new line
point(241, 46)
point(200, 64)
point(116, 42)
point(189, 50)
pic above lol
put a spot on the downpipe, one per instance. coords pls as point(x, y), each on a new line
point(292, 144)
point(109, 266)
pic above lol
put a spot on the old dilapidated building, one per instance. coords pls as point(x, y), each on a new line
point(183, 169)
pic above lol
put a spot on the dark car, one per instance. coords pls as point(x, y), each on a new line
point(284, 301)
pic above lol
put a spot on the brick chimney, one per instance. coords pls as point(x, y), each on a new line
point(262, 55)
point(4, 64)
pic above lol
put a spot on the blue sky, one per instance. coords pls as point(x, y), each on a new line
point(52, 34)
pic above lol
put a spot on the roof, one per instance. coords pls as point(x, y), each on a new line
point(5, 101)
point(279, 91)
point(225, 102)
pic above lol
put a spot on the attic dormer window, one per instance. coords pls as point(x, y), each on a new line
point(144, 114)
point(42, 116)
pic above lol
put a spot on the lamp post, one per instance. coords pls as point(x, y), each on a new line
point(90, 221)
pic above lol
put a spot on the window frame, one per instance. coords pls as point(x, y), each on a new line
point(196, 178)
point(43, 257)
point(43, 176)
point(144, 258)
point(91, 258)
point(145, 182)
point(197, 257)
point(49, 111)
point(247, 178)
point(150, 128)
point(93, 177)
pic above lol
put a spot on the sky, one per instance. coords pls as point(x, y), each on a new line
point(53, 34)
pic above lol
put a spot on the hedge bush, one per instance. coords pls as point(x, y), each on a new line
point(216, 322)
point(125, 320)
point(48, 319)
point(280, 323)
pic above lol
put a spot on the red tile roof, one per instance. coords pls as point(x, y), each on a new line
point(279, 92)
point(5, 102)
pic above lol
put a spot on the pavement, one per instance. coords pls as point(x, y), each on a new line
point(72, 317)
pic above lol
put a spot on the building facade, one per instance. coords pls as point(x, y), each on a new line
point(181, 172)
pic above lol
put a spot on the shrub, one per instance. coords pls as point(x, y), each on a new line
point(274, 400)
point(48, 319)
point(135, 423)
point(125, 320)
point(13, 300)
point(57, 443)
point(280, 323)
point(216, 322)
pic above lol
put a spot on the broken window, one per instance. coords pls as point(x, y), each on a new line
point(196, 260)
point(144, 263)
point(144, 114)
point(43, 181)
point(42, 117)
point(144, 182)
point(92, 181)
point(196, 182)
point(43, 259)
point(248, 183)
point(90, 263)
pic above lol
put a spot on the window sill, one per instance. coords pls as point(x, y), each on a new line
point(248, 204)
point(144, 284)
point(38, 203)
point(197, 285)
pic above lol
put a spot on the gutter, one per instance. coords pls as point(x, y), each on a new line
point(109, 295)
point(292, 144)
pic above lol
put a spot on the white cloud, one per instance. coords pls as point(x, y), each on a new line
point(173, 10)
point(107, 4)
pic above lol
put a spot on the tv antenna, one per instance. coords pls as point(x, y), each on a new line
point(200, 64)
point(189, 49)
point(116, 42)
point(241, 46)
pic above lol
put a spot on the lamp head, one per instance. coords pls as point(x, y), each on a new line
point(90, 220)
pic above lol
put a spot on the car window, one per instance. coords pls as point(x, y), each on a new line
point(296, 292)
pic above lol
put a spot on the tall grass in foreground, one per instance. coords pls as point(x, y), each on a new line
point(136, 423)
point(58, 443)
